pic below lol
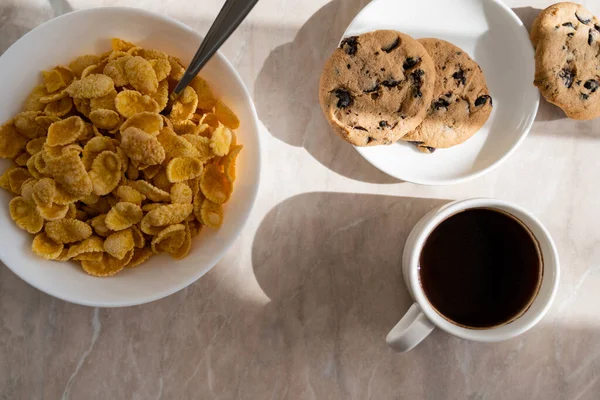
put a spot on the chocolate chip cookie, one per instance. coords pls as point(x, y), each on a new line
point(461, 100)
point(566, 37)
point(377, 87)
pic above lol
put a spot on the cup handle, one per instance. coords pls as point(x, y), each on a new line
point(410, 331)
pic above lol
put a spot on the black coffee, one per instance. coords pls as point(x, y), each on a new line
point(480, 268)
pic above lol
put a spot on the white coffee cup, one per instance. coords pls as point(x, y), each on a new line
point(422, 318)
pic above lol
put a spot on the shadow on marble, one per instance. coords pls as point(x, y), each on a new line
point(331, 262)
point(286, 93)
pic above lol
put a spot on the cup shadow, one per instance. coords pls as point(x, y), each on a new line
point(286, 93)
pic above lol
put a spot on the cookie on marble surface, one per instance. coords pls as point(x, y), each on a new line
point(377, 87)
point(566, 37)
point(461, 100)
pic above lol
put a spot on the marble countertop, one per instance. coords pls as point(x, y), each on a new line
point(300, 306)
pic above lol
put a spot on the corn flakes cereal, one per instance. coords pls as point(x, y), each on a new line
point(123, 215)
point(131, 102)
point(45, 247)
point(115, 69)
point(65, 132)
point(16, 178)
point(169, 239)
point(146, 121)
point(206, 98)
point(108, 266)
point(141, 75)
point(22, 159)
point(53, 80)
point(25, 215)
point(106, 102)
point(26, 125)
point(68, 171)
point(105, 173)
point(221, 141)
point(94, 147)
point(11, 142)
point(60, 107)
point(177, 70)
point(151, 192)
point(176, 146)
point(211, 214)
point(130, 195)
point(214, 185)
point(161, 67)
point(44, 192)
point(82, 62)
point(182, 169)
point(94, 85)
point(68, 230)
point(181, 193)
point(105, 119)
point(184, 107)
point(53, 212)
point(229, 162)
point(140, 256)
point(33, 102)
point(99, 225)
point(88, 184)
point(226, 116)
point(169, 214)
point(141, 147)
point(119, 243)
point(202, 145)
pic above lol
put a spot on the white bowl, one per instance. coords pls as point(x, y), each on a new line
point(89, 31)
point(494, 37)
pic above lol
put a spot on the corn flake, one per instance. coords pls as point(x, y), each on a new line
point(25, 215)
point(105, 119)
point(108, 266)
point(68, 230)
point(211, 214)
point(82, 62)
point(26, 125)
point(176, 146)
point(45, 247)
point(68, 171)
point(182, 169)
point(53, 212)
point(16, 178)
point(99, 225)
point(169, 239)
point(92, 86)
point(11, 142)
point(33, 102)
point(53, 80)
point(130, 195)
point(185, 106)
point(214, 185)
point(105, 173)
point(59, 108)
point(22, 159)
point(106, 102)
point(177, 70)
point(161, 67)
point(123, 215)
point(221, 141)
point(229, 162)
point(94, 147)
point(119, 244)
point(115, 69)
point(206, 98)
point(202, 145)
point(141, 75)
point(131, 102)
point(162, 182)
point(150, 191)
point(169, 214)
point(65, 132)
point(140, 256)
point(142, 147)
point(181, 193)
point(44, 192)
point(83, 106)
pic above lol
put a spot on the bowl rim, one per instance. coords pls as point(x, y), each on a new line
point(471, 175)
point(253, 190)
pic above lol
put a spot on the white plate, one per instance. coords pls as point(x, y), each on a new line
point(89, 31)
point(494, 37)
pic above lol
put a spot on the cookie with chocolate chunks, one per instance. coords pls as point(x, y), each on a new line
point(566, 37)
point(461, 100)
point(377, 87)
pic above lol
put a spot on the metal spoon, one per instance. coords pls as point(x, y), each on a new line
point(230, 17)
